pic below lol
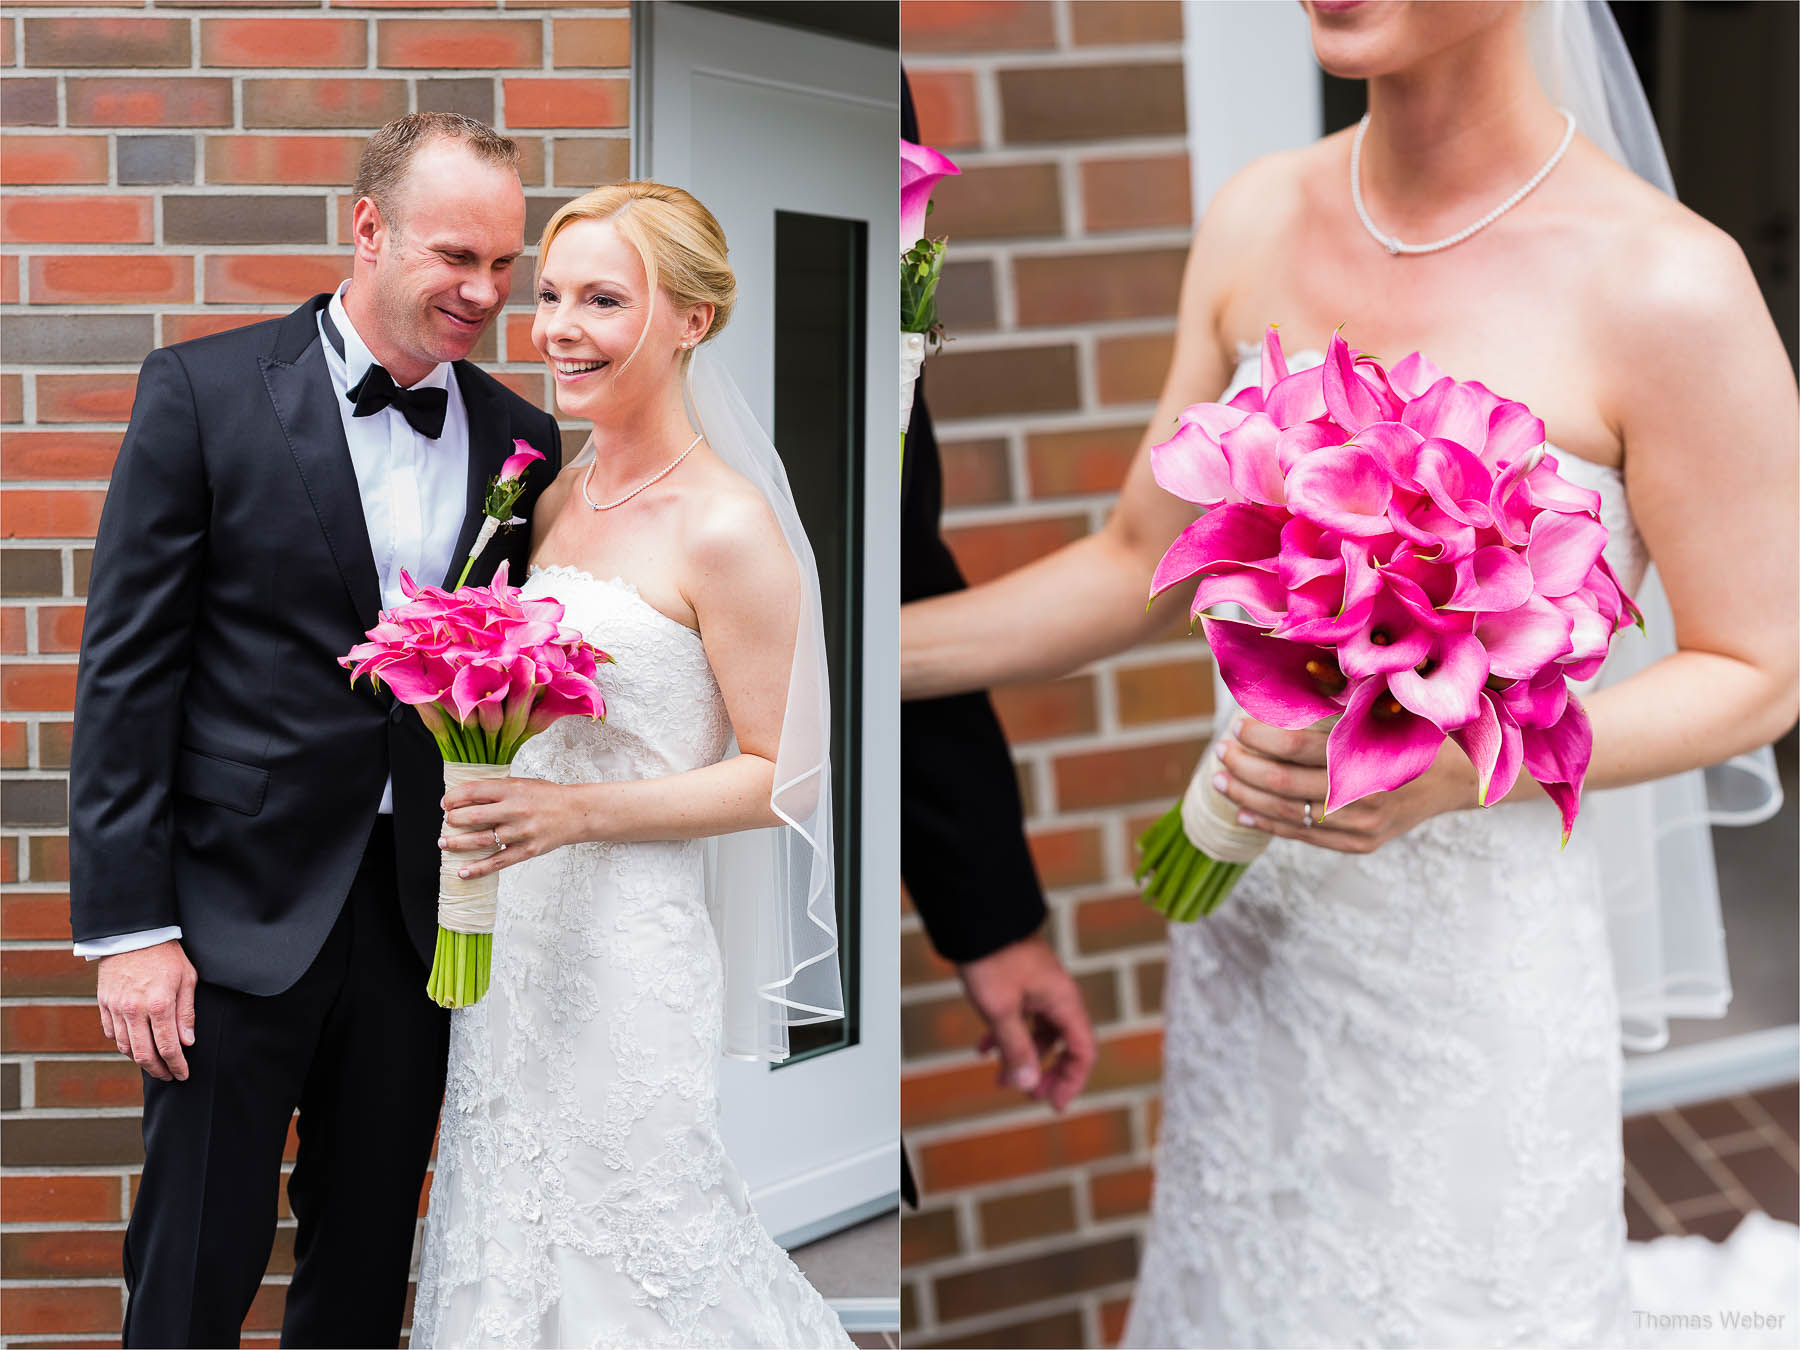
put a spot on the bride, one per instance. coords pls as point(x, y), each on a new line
point(582, 1194)
point(1392, 1065)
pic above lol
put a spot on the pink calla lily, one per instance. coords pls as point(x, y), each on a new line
point(1413, 376)
point(1349, 399)
point(1377, 745)
point(1297, 398)
point(1490, 579)
point(1455, 480)
point(921, 168)
point(1452, 412)
point(480, 682)
point(1244, 536)
point(1512, 434)
point(1537, 702)
point(1548, 490)
point(1563, 550)
point(1395, 445)
point(522, 458)
point(1283, 684)
point(1494, 746)
point(1261, 595)
point(1521, 641)
point(1252, 452)
point(1445, 689)
point(1387, 639)
point(1590, 632)
point(1557, 757)
point(1190, 465)
point(1343, 488)
point(1274, 367)
point(1308, 553)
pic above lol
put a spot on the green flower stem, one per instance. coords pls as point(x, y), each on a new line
point(460, 968)
point(1182, 882)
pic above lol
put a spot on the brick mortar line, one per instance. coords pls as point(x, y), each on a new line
point(77, 1112)
point(121, 1171)
point(378, 72)
point(1067, 245)
point(935, 1061)
point(1139, 736)
point(1056, 334)
point(982, 1258)
point(1026, 58)
point(1010, 153)
point(1030, 1310)
point(922, 1136)
point(1105, 418)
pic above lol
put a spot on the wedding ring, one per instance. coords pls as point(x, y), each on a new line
point(1307, 815)
point(495, 831)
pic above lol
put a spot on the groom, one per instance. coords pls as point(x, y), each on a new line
point(253, 842)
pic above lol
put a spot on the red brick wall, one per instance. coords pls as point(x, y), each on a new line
point(168, 173)
point(1068, 228)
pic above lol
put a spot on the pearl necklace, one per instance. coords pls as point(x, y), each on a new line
point(588, 478)
point(1393, 245)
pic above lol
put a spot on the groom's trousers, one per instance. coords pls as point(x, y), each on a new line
point(360, 1050)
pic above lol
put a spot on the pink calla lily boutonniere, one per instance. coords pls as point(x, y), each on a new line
point(921, 267)
point(502, 495)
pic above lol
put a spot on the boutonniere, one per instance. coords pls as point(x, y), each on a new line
point(503, 492)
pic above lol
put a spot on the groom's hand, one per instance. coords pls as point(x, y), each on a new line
point(1030, 1004)
point(146, 1003)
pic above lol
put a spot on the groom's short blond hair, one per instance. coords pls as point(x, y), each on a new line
point(390, 152)
point(681, 243)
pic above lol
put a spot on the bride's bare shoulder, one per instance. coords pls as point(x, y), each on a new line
point(1668, 276)
point(728, 526)
point(1263, 197)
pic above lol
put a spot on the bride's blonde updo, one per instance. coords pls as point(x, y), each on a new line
point(680, 241)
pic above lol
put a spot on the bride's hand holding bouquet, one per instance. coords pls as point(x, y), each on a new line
point(1276, 779)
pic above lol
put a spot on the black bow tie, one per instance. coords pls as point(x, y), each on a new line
point(422, 408)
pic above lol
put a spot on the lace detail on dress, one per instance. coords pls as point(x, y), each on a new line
point(1391, 1097)
point(582, 1194)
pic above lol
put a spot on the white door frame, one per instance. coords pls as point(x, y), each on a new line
point(806, 1181)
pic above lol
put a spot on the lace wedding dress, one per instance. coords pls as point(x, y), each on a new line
point(1391, 1088)
point(582, 1195)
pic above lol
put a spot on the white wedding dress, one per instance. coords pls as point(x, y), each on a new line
point(582, 1194)
point(1391, 1088)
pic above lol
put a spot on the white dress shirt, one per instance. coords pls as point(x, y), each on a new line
point(414, 494)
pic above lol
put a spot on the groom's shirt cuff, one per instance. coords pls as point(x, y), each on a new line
point(127, 942)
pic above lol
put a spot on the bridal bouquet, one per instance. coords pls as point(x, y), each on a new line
point(487, 669)
point(921, 267)
point(1406, 560)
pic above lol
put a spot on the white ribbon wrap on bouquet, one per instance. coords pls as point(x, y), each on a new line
point(466, 904)
point(912, 358)
point(1209, 817)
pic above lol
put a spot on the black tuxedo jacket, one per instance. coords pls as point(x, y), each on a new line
point(225, 775)
point(962, 830)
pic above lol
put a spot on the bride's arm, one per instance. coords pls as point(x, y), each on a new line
point(1706, 404)
point(745, 589)
point(1087, 599)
